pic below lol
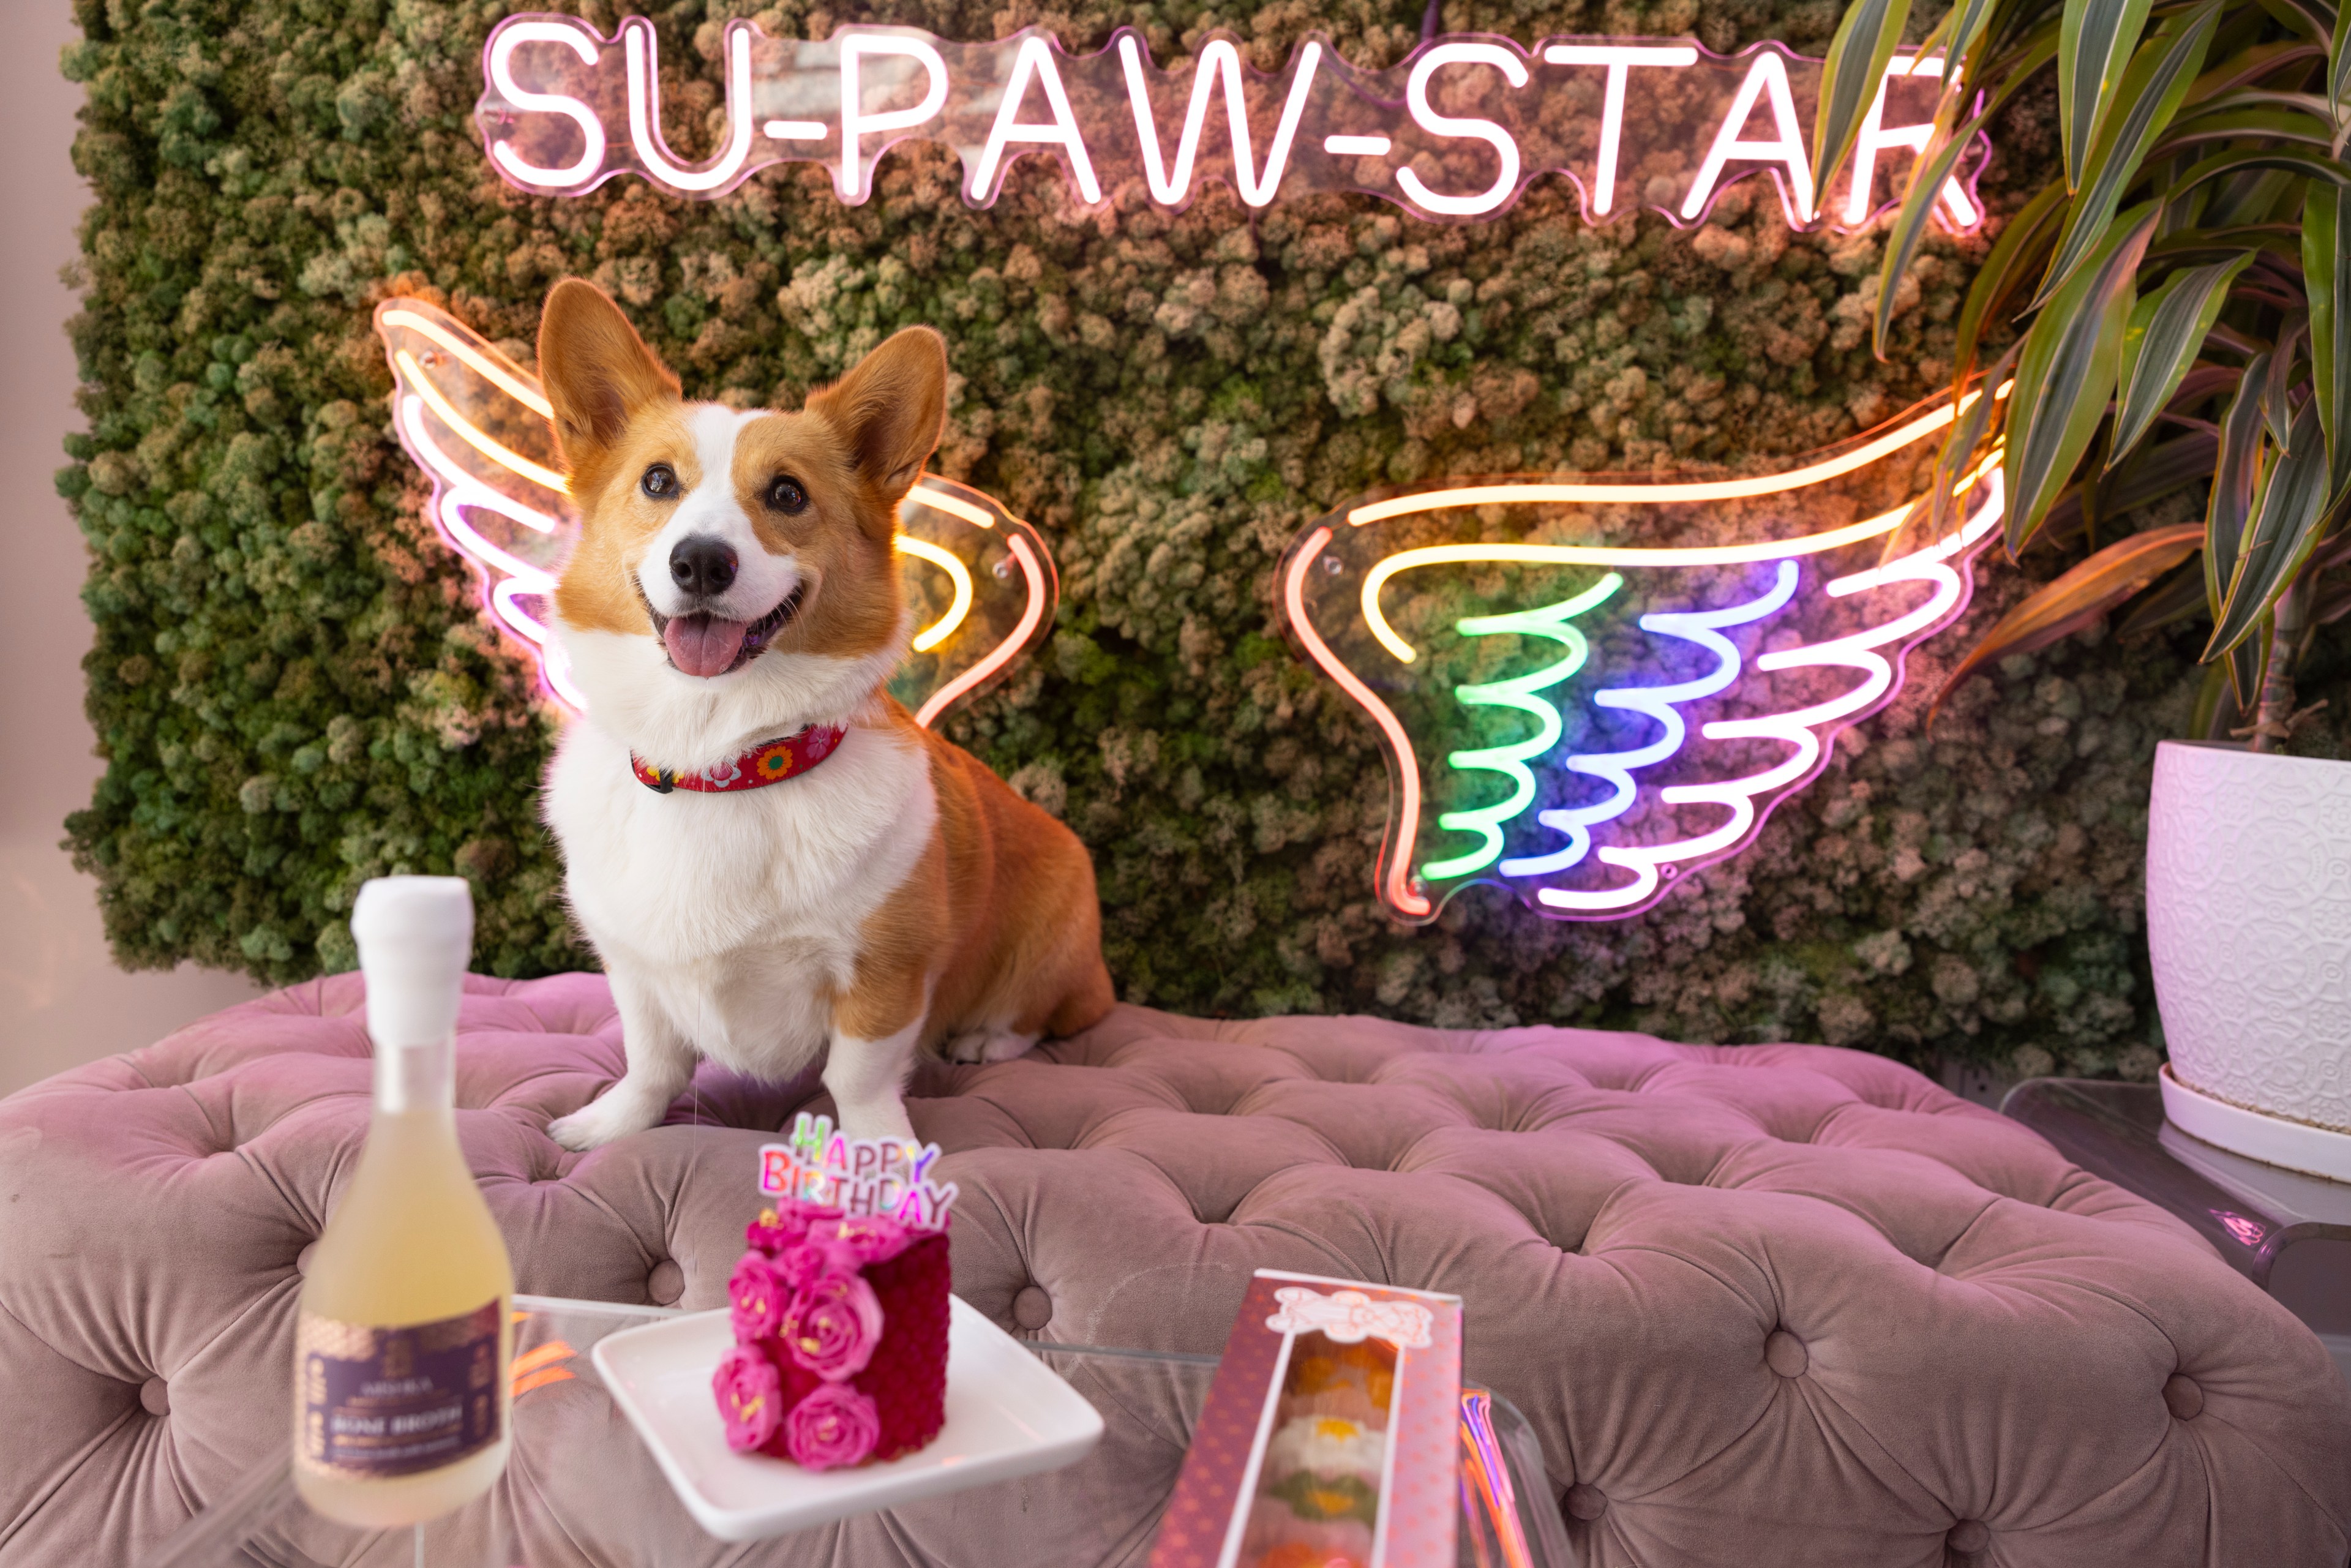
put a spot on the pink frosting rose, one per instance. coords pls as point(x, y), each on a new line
point(874, 1237)
point(750, 1397)
point(832, 1327)
point(803, 1263)
point(834, 1426)
point(793, 1216)
point(758, 1295)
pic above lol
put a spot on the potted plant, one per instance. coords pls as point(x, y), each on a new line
point(2186, 312)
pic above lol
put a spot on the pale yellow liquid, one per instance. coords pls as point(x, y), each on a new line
point(411, 1242)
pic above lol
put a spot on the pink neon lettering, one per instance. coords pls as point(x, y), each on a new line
point(645, 109)
point(591, 129)
point(1877, 137)
point(1620, 60)
point(1220, 63)
point(856, 125)
point(1417, 133)
point(1415, 98)
point(1767, 78)
point(1035, 62)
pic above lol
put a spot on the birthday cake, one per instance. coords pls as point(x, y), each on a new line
point(840, 1304)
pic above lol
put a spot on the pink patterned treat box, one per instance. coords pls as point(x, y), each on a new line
point(1330, 1435)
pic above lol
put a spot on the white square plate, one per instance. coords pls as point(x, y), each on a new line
point(1007, 1414)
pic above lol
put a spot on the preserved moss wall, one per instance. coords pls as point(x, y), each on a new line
point(294, 692)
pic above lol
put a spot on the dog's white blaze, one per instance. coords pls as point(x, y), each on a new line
point(711, 509)
point(686, 722)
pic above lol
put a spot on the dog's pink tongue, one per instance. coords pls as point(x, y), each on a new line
point(703, 645)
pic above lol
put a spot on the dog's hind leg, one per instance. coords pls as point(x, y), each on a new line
point(987, 1045)
point(661, 1064)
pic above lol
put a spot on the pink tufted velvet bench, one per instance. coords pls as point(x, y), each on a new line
point(1769, 1304)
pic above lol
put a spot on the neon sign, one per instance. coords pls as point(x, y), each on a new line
point(1654, 702)
point(979, 580)
point(1453, 132)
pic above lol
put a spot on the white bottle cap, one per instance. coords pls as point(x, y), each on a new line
point(415, 934)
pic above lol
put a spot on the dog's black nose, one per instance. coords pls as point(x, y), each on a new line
point(703, 566)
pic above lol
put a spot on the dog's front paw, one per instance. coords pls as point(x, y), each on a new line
point(594, 1126)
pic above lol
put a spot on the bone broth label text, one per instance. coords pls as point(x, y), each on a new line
point(379, 1402)
point(1452, 132)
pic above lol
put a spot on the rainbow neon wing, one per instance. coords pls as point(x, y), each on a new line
point(981, 581)
point(1584, 721)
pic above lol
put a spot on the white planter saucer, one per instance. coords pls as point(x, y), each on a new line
point(1007, 1414)
point(2273, 1140)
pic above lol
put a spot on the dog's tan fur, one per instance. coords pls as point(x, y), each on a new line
point(989, 935)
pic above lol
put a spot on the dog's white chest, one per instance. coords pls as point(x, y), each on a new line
point(738, 913)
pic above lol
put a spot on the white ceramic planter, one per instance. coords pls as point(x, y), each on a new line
point(2248, 925)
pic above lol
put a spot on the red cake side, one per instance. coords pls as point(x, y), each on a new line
point(840, 1328)
point(907, 1378)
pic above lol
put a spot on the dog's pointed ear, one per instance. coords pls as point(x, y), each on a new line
point(891, 409)
point(598, 371)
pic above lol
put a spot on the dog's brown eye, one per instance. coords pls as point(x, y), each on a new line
point(660, 481)
point(785, 494)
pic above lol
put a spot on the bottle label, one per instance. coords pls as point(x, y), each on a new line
point(378, 1401)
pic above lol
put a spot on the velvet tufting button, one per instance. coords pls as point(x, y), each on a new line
point(667, 1283)
point(1583, 1502)
point(1969, 1535)
point(2183, 1396)
point(155, 1397)
point(302, 1258)
point(1033, 1308)
point(1784, 1354)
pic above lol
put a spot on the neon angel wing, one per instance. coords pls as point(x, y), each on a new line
point(1585, 690)
point(980, 582)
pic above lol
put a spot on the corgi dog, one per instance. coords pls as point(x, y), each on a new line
point(773, 860)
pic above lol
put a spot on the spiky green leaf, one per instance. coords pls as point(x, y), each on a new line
point(2166, 333)
point(2008, 269)
point(1926, 188)
point(2149, 475)
point(2081, 596)
point(2236, 121)
point(1959, 29)
point(2304, 18)
point(2249, 64)
point(1933, 517)
point(2065, 376)
point(2285, 161)
point(2175, 598)
point(1909, 228)
point(1852, 77)
point(2326, 275)
point(2247, 663)
point(2290, 513)
point(2338, 67)
point(2277, 410)
point(2151, 91)
point(2235, 467)
point(2094, 42)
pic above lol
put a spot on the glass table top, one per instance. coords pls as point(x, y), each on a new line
point(582, 1492)
point(2249, 1212)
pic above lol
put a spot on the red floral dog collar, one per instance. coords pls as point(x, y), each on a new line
point(769, 762)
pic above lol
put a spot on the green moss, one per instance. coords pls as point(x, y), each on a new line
point(295, 692)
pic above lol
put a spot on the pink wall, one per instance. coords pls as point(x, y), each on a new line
point(62, 1001)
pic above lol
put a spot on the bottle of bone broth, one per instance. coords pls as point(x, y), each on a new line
point(401, 1349)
